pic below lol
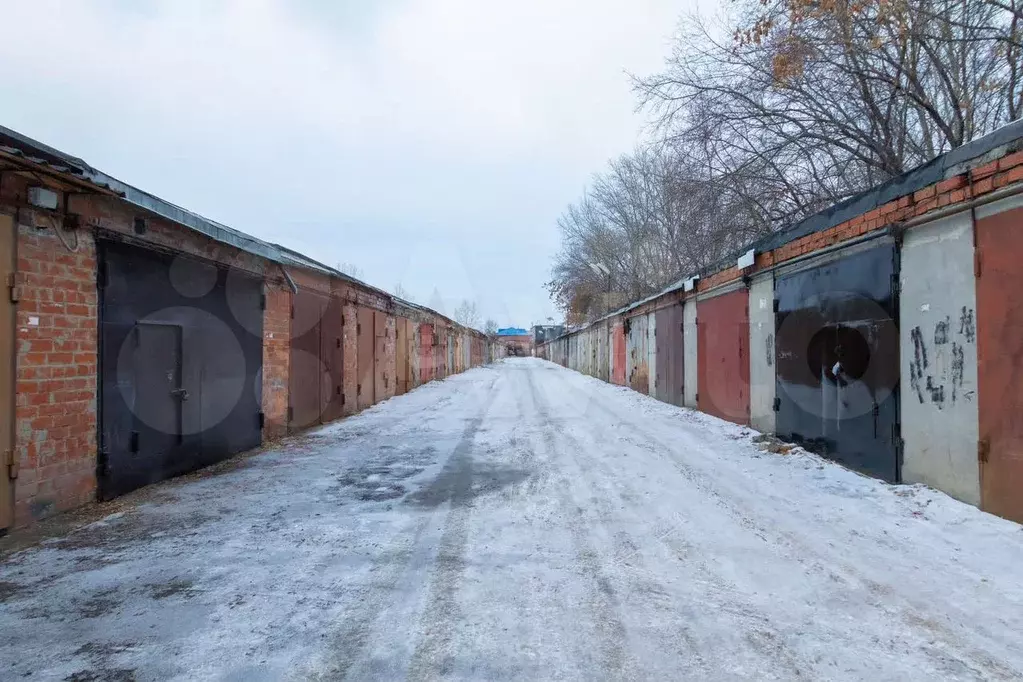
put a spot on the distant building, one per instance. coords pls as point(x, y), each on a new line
point(519, 341)
point(542, 333)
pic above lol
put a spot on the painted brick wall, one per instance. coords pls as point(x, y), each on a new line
point(276, 360)
point(55, 416)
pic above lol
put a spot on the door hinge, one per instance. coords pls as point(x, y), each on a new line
point(291, 414)
point(11, 463)
point(342, 320)
point(134, 446)
point(696, 397)
point(342, 398)
point(293, 311)
point(983, 449)
point(339, 342)
point(358, 389)
point(777, 404)
point(14, 286)
point(776, 305)
point(262, 301)
point(262, 420)
point(976, 264)
point(358, 329)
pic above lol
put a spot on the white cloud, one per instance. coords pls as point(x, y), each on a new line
point(350, 131)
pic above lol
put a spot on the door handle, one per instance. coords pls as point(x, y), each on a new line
point(181, 393)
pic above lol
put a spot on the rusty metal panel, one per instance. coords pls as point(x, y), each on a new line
point(381, 382)
point(401, 357)
point(723, 364)
point(366, 342)
point(690, 354)
point(426, 367)
point(670, 355)
point(153, 336)
point(333, 357)
point(619, 354)
point(7, 321)
point(837, 356)
point(651, 353)
point(999, 349)
point(761, 339)
point(307, 374)
point(938, 401)
point(637, 369)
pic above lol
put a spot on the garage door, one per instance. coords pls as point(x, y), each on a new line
point(722, 324)
point(315, 377)
point(999, 348)
point(837, 357)
point(669, 365)
point(181, 355)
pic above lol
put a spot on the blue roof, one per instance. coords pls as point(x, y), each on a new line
point(512, 331)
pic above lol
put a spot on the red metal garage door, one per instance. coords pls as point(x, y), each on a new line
point(722, 327)
point(999, 371)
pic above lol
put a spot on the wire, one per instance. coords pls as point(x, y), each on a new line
point(63, 240)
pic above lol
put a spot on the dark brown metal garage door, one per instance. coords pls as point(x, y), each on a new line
point(181, 352)
point(669, 368)
point(364, 331)
point(315, 377)
point(722, 327)
point(8, 468)
point(999, 370)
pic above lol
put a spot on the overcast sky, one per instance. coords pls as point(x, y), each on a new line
point(432, 143)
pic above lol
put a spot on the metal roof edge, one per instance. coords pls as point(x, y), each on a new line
point(950, 163)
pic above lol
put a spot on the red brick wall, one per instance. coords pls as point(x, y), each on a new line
point(55, 415)
point(276, 360)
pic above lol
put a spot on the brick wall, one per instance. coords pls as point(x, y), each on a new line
point(55, 414)
point(350, 343)
point(276, 360)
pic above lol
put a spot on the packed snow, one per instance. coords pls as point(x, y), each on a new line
point(524, 522)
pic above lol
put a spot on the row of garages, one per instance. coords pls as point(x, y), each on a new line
point(146, 341)
point(885, 333)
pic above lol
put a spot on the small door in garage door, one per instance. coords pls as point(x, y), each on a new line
point(999, 330)
point(7, 310)
point(158, 387)
point(837, 357)
point(722, 323)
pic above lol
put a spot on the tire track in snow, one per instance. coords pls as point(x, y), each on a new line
point(433, 655)
point(616, 663)
point(978, 662)
point(760, 631)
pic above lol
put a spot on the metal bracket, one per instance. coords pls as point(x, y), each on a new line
point(983, 449)
point(11, 463)
point(14, 286)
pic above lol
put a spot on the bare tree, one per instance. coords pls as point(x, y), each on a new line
point(467, 314)
point(774, 112)
point(401, 292)
point(490, 327)
point(350, 269)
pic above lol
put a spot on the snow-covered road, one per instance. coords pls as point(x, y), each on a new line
point(521, 522)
